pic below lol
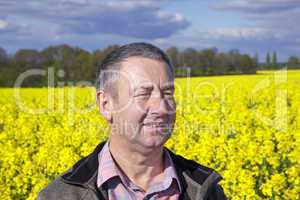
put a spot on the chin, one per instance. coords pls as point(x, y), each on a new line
point(154, 140)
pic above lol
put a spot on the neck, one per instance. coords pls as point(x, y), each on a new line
point(140, 166)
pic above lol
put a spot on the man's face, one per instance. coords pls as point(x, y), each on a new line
point(146, 109)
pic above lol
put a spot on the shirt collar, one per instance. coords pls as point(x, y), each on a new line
point(108, 169)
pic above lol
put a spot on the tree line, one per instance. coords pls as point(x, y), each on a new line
point(211, 62)
point(73, 64)
point(271, 62)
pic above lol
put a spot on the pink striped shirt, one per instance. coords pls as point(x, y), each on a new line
point(121, 188)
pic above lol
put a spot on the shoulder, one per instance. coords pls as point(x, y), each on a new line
point(216, 193)
point(57, 189)
point(206, 177)
point(193, 168)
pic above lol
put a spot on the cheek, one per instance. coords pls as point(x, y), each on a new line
point(133, 113)
point(140, 106)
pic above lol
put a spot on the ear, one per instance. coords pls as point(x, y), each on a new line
point(104, 104)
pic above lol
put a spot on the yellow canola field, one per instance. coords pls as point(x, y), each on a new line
point(247, 127)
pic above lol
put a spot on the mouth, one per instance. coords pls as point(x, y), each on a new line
point(155, 124)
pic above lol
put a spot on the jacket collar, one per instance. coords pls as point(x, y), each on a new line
point(196, 179)
point(85, 170)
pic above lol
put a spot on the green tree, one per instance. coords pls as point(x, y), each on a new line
point(293, 62)
point(27, 59)
point(268, 60)
point(208, 59)
point(3, 66)
point(274, 59)
point(83, 68)
point(3, 58)
point(189, 57)
point(173, 54)
point(248, 64)
point(256, 60)
point(99, 55)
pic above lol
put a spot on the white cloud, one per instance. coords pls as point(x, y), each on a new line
point(242, 33)
point(130, 4)
point(3, 24)
point(174, 17)
point(131, 18)
point(277, 21)
point(256, 6)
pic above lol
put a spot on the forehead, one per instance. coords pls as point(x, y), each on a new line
point(139, 71)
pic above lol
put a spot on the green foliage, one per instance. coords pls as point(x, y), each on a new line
point(80, 67)
point(268, 59)
point(293, 62)
point(274, 59)
point(210, 62)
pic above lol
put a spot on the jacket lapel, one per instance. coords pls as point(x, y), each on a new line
point(84, 173)
point(195, 178)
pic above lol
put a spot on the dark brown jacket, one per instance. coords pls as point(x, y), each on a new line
point(79, 183)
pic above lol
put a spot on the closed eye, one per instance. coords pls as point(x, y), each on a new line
point(142, 94)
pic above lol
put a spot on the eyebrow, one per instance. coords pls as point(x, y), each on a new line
point(151, 87)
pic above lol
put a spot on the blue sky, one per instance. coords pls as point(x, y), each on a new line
point(248, 25)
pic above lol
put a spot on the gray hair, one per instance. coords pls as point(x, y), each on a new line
point(108, 72)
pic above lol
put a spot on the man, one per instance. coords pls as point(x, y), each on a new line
point(135, 94)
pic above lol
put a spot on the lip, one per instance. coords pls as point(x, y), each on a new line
point(155, 124)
